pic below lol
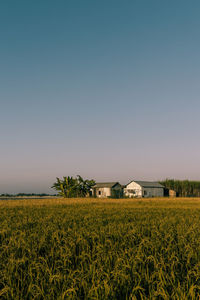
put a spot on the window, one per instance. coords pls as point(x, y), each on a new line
point(99, 192)
point(132, 192)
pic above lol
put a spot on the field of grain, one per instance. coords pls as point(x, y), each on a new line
point(100, 249)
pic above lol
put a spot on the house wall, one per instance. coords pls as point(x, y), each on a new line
point(135, 190)
point(105, 192)
point(116, 191)
point(153, 192)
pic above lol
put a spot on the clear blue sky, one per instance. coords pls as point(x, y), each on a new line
point(105, 89)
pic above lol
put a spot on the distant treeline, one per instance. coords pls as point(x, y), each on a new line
point(184, 188)
point(25, 195)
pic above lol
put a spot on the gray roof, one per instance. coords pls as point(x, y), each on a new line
point(105, 184)
point(148, 184)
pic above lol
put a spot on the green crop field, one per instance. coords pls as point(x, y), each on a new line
point(100, 249)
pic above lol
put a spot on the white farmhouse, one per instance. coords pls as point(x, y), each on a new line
point(143, 189)
point(107, 189)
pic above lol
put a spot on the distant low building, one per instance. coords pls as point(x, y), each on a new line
point(170, 193)
point(143, 189)
point(107, 189)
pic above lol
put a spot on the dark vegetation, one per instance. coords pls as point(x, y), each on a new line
point(25, 195)
point(70, 187)
point(184, 188)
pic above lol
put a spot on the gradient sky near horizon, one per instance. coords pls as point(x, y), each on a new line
point(105, 89)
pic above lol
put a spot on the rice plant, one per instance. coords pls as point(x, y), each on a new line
point(100, 249)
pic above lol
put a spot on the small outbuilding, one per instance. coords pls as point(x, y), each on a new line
point(107, 189)
point(143, 189)
point(170, 193)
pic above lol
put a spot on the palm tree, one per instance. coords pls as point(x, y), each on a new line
point(84, 186)
point(73, 187)
point(66, 187)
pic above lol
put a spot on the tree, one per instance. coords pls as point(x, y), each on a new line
point(66, 187)
point(69, 187)
point(84, 186)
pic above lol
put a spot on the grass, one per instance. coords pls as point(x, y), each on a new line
point(100, 249)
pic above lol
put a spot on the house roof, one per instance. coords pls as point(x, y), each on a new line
point(105, 184)
point(147, 184)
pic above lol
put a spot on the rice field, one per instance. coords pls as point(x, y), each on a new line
point(100, 249)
